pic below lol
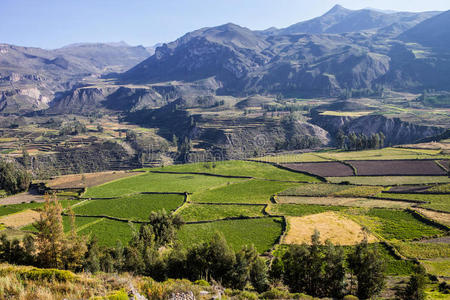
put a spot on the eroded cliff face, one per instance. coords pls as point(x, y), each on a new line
point(395, 130)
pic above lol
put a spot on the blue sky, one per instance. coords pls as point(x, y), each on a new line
point(54, 23)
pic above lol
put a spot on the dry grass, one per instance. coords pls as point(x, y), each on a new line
point(20, 219)
point(341, 201)
point(21, 198)
point(89, 179)
point(331, 225)
point(440, 217)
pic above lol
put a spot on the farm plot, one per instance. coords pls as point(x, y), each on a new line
point(87, 179)
point(292, 158)
point(252, 191)
point(359, 191)
point(393, 224)
point(382, 154)
point(421, 250)
point(240, 168)
point(263, 233)
point(137, 207)
point(15, 208)
point(107, 232)
point(153, 182)
point(203, 212)
point(20, 219)
point(342, 201)
point(440, 217)
point(299, 210)
point(397, 168)
point(441, 188)
point(437, 202)
point(389, 180)
point(324, 169)
point(437, 267)
point(318, 189)
point(332, 226)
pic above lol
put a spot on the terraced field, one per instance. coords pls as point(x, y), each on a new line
point(261, 204)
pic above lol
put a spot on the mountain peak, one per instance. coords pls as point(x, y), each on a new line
point(336, 9)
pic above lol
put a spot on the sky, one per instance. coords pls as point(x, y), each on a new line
point(54, 23)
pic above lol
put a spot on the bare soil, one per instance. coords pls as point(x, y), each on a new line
point(20, 219)
point(397, 167)
point(87, 179)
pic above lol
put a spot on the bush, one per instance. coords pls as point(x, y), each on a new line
point(202, 282)
point(13, 178)
point(46, 274)
point(350, 297)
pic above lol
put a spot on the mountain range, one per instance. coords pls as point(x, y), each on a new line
point(339, 51)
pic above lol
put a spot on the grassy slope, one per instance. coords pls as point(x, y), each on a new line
point(251, 191)
point(136, 207)
point(298, 210)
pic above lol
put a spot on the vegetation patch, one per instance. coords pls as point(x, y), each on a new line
point(441, 188)
point(437, 267)
point(137, 207)
point(359, 191)
point(440, 217)
point(317, 189)
point(251, 191)
point(107, 232)
point(203, 212)
point(299, 210)
point(262, 233)
point(332, 226)
point(394, 224)
point(341, 201)
point(156, 182)
point(87, 179)
point(389, 180)
point(438, 202)
point(423, 250)
point(20, 219)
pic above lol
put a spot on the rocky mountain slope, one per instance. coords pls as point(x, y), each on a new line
point(30, 77)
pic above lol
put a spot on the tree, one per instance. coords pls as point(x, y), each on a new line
point(50, 239)
point(334, 270)
point(26, 158)
point(341, 139)
point(368, 268)
point(163, 226)
point(259, 275)
point(13, 177)
point(74, 248)
point(415, 289)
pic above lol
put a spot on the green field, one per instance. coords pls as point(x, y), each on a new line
point(394, 224)
point(240, 168)
point(153, 182)
point(423, 250)
point(298, 210)
point(251, 191)
point(107, 232)
point(438, 267)
point(389, 180)
point(137, 207)
point(442, 188)
point(263, 233)
point(14, 208)
point(202, 212)
point(438, 202)
point(359, 191)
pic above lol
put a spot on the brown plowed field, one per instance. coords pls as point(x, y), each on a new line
point(324, 169)
point(89, 180)
point(397, 168)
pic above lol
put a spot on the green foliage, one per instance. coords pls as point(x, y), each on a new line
point(423, 250)
point(261, 232)
point(13, 178)
point(298, 210)
point(259, 275)
point(438, 202)
point(441, 188)
point(368, 269)
point(153, 182)
point(359, 191)
point(136, 207)
point(163, 226)
point(202, 212)
point(47, 274)
point(415, 289)
point(107, 231)
point(401, 225)
point(250, 191)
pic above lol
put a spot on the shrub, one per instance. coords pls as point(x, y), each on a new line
point(350, 297)
point(202, 282)
point(47, 274)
